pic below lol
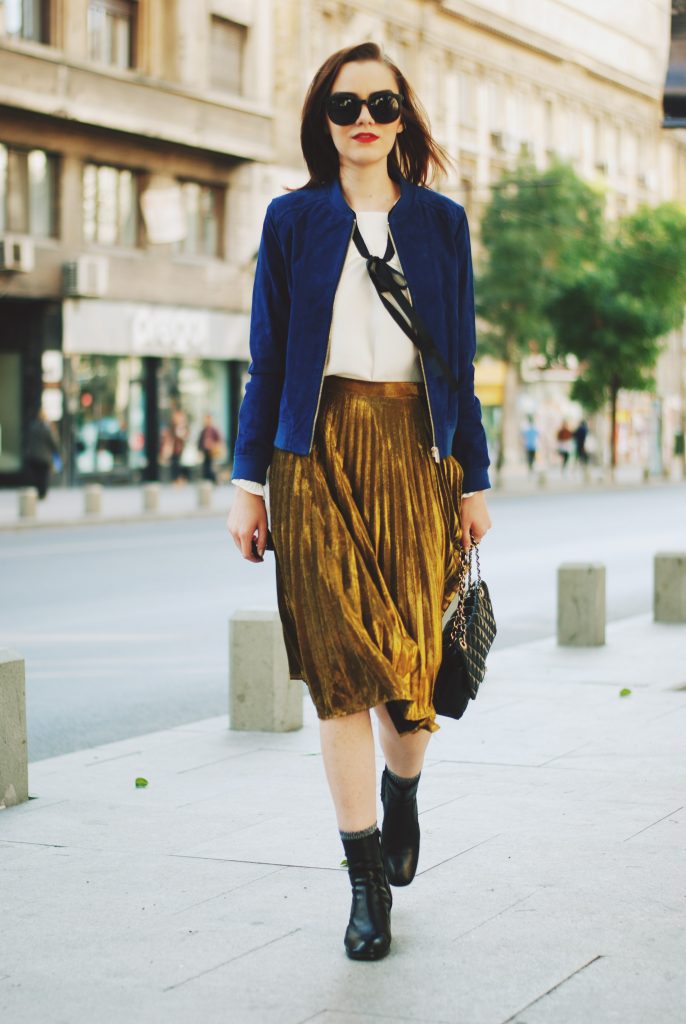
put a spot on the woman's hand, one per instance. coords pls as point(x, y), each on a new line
point(248, 516)
point(476, 522)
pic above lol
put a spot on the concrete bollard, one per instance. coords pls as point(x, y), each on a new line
point(14, 763)
point(28, 502)
point(262, 698)
point(205, 488)
point(92, 499)
point(669, 587)
point(581, 605)
point(151, 497)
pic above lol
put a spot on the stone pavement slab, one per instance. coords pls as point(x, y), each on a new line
point(551, 885)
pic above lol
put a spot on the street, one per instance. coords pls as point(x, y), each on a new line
point(124, 628)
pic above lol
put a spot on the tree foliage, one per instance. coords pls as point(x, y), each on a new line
point(539, 228)
point(613, 313)
point(558, 279)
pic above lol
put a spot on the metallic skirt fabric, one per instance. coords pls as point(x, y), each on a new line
point(366, 533)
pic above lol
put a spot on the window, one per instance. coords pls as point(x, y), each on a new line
point(496, 107)
point(522, 116)
point(227, 44)
point(467, 195)
point(27, 191)
point(599, 146)
point(549, 125)
point(466, 99)
point(27, 19)
point(10, 412)
point(615, 149)
point(110, 205)
point(112, 32)
point(110, 418)
point(203, 206)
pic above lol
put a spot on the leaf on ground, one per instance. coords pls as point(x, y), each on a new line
point(624, 692)
point(344, 862)
point(141, 782)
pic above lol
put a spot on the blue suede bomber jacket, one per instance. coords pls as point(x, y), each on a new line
point(304, 242)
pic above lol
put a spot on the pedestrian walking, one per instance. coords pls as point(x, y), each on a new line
point(42, 453)
point(564, 443)
point(530, 437)
point(580, 438)
point(209, 444)
point(377, 465)
point(178, 429)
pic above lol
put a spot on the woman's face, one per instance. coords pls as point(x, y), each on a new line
point(365, 142)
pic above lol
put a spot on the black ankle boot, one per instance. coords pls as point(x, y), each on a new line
point(368, 936)
point(400, 830)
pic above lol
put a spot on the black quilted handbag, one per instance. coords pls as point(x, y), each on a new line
point(467, 638)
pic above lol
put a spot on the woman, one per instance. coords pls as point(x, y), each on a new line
point(209, 441)
point(368, 447)
point(42, 452)
point(565, 437)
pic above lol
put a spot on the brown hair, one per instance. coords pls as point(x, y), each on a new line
point(416, 156)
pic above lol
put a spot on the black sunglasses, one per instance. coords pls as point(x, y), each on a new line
point(344, 107)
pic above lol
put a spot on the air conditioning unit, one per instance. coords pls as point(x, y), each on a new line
point(16, 254)
point(86, 277)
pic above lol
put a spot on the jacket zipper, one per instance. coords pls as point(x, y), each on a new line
point(435, 454)
point(328, 343)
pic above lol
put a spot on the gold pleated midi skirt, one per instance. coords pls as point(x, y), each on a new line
point(366, 532)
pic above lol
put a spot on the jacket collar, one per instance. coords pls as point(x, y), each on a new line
point(407, 190)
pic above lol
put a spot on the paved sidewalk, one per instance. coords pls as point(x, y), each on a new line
point(551, 886)
point(64, 506)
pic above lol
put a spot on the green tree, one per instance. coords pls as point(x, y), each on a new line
point(612, 315)
point(539, 228)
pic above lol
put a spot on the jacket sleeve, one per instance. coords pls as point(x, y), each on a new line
point(469, 442)
point(259, 411)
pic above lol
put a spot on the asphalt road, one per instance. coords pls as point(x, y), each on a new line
point(124, 628)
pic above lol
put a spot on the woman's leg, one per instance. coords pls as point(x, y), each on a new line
point(348, 752)
point(404, 753)
point(400, 834)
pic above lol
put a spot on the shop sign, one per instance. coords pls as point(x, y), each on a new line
point(100, 327)
point(169, 332)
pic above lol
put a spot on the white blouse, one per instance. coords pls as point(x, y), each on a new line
point(365, 343)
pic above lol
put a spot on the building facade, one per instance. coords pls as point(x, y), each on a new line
point(140, 141)
point(580, 80)
point(132, 141)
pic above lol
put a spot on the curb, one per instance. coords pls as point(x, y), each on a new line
point(142, 517)
point(495, 493)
